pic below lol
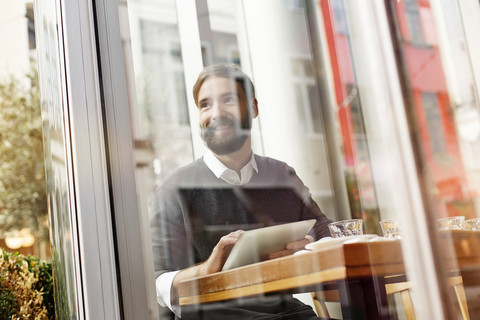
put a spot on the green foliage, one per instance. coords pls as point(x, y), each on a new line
point(7, 300)
point(23, 201)
point(45, 282)
point(26, 287)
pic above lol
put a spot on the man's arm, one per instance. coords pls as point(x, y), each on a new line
point(310, 209)
point(292, 247)
point(213, 264)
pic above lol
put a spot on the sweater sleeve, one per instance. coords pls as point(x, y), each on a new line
point(310, 209)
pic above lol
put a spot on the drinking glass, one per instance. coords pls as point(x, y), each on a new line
point(390, 228)
point(473, 224)
point(346, 228)
point(451, 223)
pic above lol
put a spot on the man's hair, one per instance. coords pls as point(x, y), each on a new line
point(229, 71)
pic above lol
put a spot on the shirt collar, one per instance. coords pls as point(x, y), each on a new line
point(221, 171)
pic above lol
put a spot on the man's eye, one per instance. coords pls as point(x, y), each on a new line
point(230, 100)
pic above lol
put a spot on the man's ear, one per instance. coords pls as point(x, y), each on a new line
point(254, 108)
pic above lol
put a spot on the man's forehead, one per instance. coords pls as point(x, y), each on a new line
point(218, 86)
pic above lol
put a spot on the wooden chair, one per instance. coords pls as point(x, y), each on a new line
point(402, 288)
point(457, 284)
point(320, 297)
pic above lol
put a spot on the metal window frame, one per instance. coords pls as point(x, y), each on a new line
point(132, 237)
point(97, 257)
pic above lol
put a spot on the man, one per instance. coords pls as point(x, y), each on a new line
point(200, 210)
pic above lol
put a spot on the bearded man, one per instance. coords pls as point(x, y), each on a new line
point(200, 210)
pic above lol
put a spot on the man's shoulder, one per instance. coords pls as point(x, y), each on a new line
point(274, 172)
point(271, 164)
point(189, 174)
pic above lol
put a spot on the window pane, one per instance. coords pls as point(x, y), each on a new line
point(367, 134)
point(58, 178)
point(442, 90)
point(357, 166)
point(161, 113)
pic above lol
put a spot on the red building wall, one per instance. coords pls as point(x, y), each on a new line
point(425, 75)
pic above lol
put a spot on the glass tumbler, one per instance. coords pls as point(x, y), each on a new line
point(390, 228)
point(451, 223)
point(473, 224)
point(346, 228)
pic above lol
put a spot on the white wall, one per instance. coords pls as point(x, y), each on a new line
point(14, 51)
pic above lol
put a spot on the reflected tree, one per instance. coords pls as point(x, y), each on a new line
point(23, 202)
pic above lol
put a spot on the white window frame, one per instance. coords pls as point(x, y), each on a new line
point(94, 263)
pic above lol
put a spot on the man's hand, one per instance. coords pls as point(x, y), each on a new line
point(215, 262)
point(292, 247)
point(220, 253)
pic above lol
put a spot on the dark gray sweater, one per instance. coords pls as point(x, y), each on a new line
point(193, 209)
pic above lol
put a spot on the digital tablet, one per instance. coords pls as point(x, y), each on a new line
point(254, 245)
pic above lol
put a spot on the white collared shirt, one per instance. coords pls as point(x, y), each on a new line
point(164, 282)
point(228, 175)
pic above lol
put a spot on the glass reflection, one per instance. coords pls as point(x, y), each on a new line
point(161, 114)
point(202, 210)
point(436, 103)
point(358, 175)
point(443, 105)
point(55, 161)
point(273, 42)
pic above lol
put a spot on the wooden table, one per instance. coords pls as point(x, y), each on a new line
point(358, 270)
point(461, 254)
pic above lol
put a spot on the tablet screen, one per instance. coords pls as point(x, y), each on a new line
point(254, 245)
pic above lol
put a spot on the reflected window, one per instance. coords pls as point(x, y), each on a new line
point(340, 17)
point(298, 5)
point(306, 95)
point(163, 83)
point(217, 28)
point(162, 109)
point(414, 22)
point(434, 124)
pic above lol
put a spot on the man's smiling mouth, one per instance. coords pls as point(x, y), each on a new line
point(222, 128)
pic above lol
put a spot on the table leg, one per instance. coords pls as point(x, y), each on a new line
point(471, 284)
point(364, 298)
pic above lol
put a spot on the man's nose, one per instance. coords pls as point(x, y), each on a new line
point(217, 110)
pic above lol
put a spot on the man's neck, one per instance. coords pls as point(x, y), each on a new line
point(238, 159)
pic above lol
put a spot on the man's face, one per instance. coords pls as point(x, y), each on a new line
point(224, 116)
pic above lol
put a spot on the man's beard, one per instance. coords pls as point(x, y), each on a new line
point(222, 144)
